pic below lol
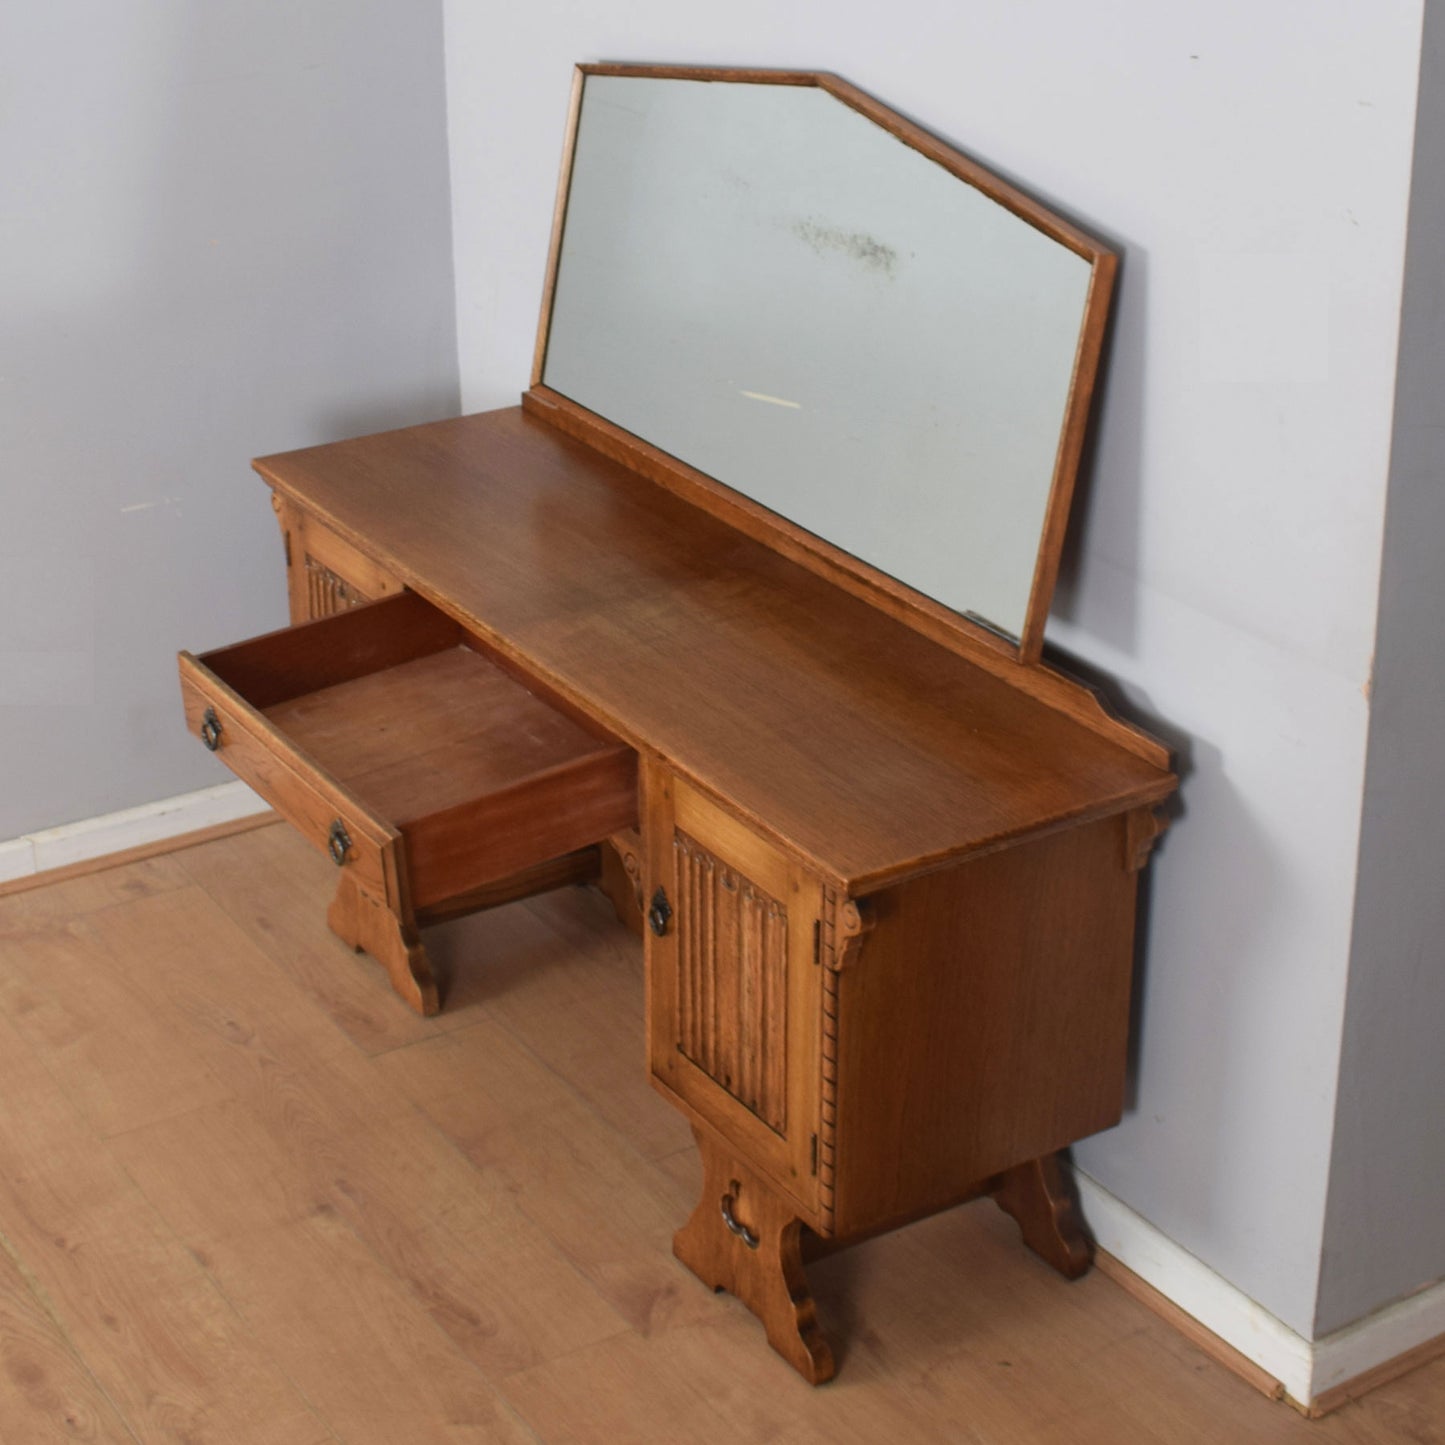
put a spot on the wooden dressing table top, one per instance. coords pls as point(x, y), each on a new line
point(870, 751)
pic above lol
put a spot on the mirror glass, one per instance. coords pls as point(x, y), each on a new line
point(768, 285)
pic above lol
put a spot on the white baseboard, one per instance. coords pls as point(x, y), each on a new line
point(1306, 1368)
point(1384, 1335)
point(17, 859)
point(131, 828)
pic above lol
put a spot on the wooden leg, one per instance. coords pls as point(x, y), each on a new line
point(745, 1239)
point(1041, 1198)
point(358, 920)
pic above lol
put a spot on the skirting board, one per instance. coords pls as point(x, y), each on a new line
point(92, 838)
point(1313, 1373)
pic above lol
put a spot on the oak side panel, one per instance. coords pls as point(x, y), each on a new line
point(983, 1022)
point(325, 574)
point(338, 574)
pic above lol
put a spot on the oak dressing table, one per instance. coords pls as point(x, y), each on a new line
point(884, 860)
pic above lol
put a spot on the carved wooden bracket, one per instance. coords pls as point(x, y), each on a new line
point(629, 852)
point(1142, 830)
point(846, 924)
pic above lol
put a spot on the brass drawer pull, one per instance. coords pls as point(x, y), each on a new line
point(211, 729)
point(338, 842)
point(735, 1224)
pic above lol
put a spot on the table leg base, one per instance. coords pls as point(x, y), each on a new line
point(747, 1240)
point(1041, 1197)
point(367, 926)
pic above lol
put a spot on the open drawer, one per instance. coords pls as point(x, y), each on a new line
point(391, 740)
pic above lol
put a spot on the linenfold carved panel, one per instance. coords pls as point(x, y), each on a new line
point(326, 592)
point(732, 962)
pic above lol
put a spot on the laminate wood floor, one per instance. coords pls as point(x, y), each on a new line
point(245, 1195)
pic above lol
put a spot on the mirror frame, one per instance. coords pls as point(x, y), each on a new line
point(920, 611)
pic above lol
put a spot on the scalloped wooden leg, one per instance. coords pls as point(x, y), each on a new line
point(1041, 1197)
point(758, 1258)
point(367, 926)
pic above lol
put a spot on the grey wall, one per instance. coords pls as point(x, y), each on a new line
point(1384, 1223)
point(225, 230)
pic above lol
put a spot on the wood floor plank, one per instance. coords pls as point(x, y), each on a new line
point(105, 1045)
point(598, 1201)
point(616, 1394)
point(580, 1045)
point(46, 1393)
point(587, 924)
point(58, 903)
point(259, 1033)
point(1411, 1408)
point(269, 882)
point(457, 1242)
point(318, 1224)
point(571, 993)
point(974, 1287)
point(1152, 1397)
point(369, 1358)
point(157, 1336)
point(561, 946)
point(715, 1380)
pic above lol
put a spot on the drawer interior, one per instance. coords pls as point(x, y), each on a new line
point(426, 735)
point(395, 702)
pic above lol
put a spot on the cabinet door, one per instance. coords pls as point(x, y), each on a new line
point(735, 991)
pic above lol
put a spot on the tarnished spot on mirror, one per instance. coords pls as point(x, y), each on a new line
point(799, 294)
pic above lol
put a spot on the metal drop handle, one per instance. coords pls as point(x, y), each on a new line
point(338, 842)
point(735, 1224)
point(659, 915)
point(211, 729)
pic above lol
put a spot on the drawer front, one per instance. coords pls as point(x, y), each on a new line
point(313, 803)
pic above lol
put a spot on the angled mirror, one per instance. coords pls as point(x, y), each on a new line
point(801, 295)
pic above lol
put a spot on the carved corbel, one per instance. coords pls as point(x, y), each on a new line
point(846, 923)
point(628, 845)
point(1143, 829)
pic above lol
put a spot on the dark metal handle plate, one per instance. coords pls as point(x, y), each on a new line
point(660, 914)
point(211, 729)
point(735, 1224)
point(338, 842)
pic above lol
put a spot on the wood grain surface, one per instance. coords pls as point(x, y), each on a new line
point(871, 751)
point(328, 1220)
